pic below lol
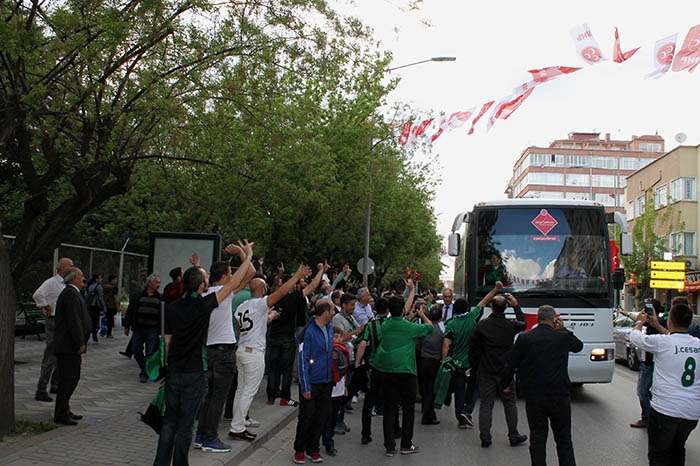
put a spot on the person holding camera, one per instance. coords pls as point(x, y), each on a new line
point(490, 349)
point(541, 357)
point(675, 402)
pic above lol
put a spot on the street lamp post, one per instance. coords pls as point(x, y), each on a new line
point(366, 269)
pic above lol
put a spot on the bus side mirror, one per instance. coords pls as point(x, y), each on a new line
point(618, 278)
point(453, 244)
point(626, 244)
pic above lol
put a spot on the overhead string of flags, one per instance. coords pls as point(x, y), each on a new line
point(665, 58)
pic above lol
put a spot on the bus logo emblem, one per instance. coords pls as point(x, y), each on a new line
point(544, 222)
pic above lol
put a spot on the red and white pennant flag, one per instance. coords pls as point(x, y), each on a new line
point(664, 50)
point(542, 75)
point(618, 55)
point(456, 120)
point(586, 45)
point(688, 57)
point(507, 105)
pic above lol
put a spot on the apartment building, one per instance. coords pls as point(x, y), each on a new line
point(671, 182)
point(583, 166)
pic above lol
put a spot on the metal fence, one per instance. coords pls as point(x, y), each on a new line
point(127, 266)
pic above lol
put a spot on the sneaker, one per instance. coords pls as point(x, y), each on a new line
point(245, 435)
point(289, 402)
point(315, 457)
point(365, 439)
point(409, 450)
point(470, 422)
point(250, 422)
point(228, 417)
point(299, 457)
point(354, 399)
point(198, 441)
point(348, 407)
point(331, 451)
point(216, 446)
point(517, 440)
point(344, 426)
point(485, 443)
point(271, 402)
point(143, 378)
point(390, 453)
point(339, 430)
point(465, 421)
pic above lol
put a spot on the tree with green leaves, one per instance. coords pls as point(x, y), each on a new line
point(650, 236)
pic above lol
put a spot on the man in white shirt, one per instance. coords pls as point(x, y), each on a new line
point(221, 356)
point(252, 317)
point(45, 297)
point(363, 310)
point(675, 402)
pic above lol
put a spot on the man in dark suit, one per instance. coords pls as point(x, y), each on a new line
point(71, 335)
point(541, 357)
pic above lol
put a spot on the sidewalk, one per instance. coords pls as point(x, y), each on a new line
point(109, 396)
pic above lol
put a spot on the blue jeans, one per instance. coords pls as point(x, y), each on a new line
point(183, 395)
point(644, 388)
point(149, 336)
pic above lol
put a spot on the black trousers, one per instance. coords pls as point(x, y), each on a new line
point(398, 388)
point(68, 366)
point(667, 437)
point(428, 373)
point(221, 361)
point(557, 411)
point(313, 414)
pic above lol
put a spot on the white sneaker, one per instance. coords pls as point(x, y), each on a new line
point(250, 422)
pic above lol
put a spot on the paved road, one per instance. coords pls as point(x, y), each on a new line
point(601, 432)
point(109, 395)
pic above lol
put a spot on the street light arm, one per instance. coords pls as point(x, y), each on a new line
point(438, 59)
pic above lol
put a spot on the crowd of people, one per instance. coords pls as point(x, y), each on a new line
point(225, 330)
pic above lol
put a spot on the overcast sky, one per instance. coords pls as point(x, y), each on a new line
point(495, 44)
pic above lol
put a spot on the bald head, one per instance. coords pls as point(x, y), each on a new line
point(63, 265)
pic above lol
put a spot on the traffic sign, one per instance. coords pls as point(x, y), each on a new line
point(667, 275)
point(361, 266)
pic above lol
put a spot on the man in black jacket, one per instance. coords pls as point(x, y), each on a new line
point(541, 357)
point(489, 351)
point(73, 325)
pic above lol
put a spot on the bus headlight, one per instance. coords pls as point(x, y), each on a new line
point(601, 354)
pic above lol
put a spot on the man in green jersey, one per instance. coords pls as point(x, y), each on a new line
point(396, 359)
point(458, 334)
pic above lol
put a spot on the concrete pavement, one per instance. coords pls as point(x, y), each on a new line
point(109, 396)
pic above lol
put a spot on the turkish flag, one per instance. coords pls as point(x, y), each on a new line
point(483, 110)
point(664, 50)
point(405, 133)
point(505, 107)
point(586, 45)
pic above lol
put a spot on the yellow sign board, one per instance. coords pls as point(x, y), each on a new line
point(663, 265)
point(667, 274)
point(667, 284)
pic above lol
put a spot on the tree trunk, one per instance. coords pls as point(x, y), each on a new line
point(7, 342)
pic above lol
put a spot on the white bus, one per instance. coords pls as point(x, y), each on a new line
point(554, 252)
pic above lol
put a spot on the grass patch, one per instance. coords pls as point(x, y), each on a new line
point(24, 428)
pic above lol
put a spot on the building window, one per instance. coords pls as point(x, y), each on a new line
point(683, 189)
point(630, 210)
point(606, 163)
point(683, 243)
point(604, 181)
point(577, 179)
point(545, 178)
point(639, 207)
point(649, 147)
point(629, 163)
point(607, 199)
point(578, 161)
point(660, 197)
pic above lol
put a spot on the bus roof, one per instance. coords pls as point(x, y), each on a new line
point(538, 202)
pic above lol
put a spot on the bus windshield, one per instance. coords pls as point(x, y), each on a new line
point(542, 250)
